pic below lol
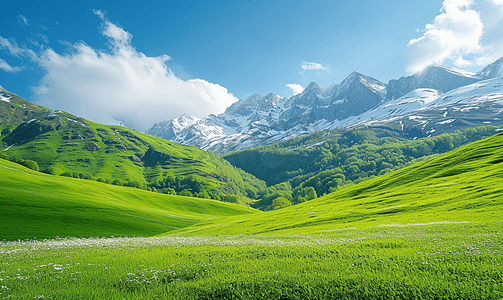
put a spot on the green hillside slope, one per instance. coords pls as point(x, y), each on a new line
point(464, 185)
point(63, 144)
point(37, 205)
point(321, 163)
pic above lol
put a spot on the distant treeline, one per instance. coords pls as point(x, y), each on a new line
point(298, 171)
point(190, 185)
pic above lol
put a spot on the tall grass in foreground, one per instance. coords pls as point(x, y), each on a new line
point(428, 261)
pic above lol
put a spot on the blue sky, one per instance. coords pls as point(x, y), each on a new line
point(214, 52)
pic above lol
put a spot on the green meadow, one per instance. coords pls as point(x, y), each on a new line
point(464, 185)
point(37, 205)
point(433, 230)
point(429, 261)
point(117, 223)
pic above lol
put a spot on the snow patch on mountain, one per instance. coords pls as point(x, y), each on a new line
point(458, 72)
point(4, 97)
point(422, 103)
point(490, 90)
point(412, 101)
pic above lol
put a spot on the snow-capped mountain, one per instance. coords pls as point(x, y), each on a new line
point(258, 120)
point(169, 129)
point(433, 101)
point(440, 78)
point(424, 112)
point(493, 70)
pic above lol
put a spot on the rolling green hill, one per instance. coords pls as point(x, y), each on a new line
point(315, 165)
point(62, 144)
point(37, 205)
point(432, 230)
point(464, 185)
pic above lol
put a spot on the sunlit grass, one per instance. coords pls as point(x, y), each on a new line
point(435, 261)
point(464, 185)
point(34, 204)
point(430, 231)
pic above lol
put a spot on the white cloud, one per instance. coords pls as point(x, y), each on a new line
point(123, 85)
point(307, 66)
point(464, 34)
point(23, 20)
point(117, 36)
point(8, 68)
point(17, 51)
point(296, 88)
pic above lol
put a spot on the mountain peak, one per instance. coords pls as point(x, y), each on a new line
point(492, 70)
point(439, 68)
point(184, 121)
point(272, 96)
point(355, 74)
point(187, 116)
point(248, 105)
point(256, 95)
point(312, 87)
point(359, 99)
point(353, 77)
point(359, 78)
point(440, 78)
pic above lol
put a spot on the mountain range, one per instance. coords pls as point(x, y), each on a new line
point(438, 99)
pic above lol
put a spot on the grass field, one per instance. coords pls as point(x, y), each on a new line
point(37, 205)
point(429, 261)
point(433, 230)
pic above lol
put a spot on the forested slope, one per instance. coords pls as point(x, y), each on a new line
point(304, 168)
point(463, 185)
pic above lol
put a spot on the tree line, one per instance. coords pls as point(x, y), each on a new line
point(298, 173)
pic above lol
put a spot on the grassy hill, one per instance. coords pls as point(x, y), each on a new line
point(315, 165)
point(432, 230)
point(37, 205)
point(464, 185)
point(429, 231)
point(63, 144)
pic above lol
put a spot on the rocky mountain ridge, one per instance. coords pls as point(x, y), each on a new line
point(407, 104)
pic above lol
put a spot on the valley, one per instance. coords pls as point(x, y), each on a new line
point(429, 230)
point(251, 150)
point(403, 201)
point(35, 205)
point(462, 185)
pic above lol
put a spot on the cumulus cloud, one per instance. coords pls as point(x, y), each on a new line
point(308, 66)
point(8, 68)
point(122, 84)
point(296, 88)
point(465, 34)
